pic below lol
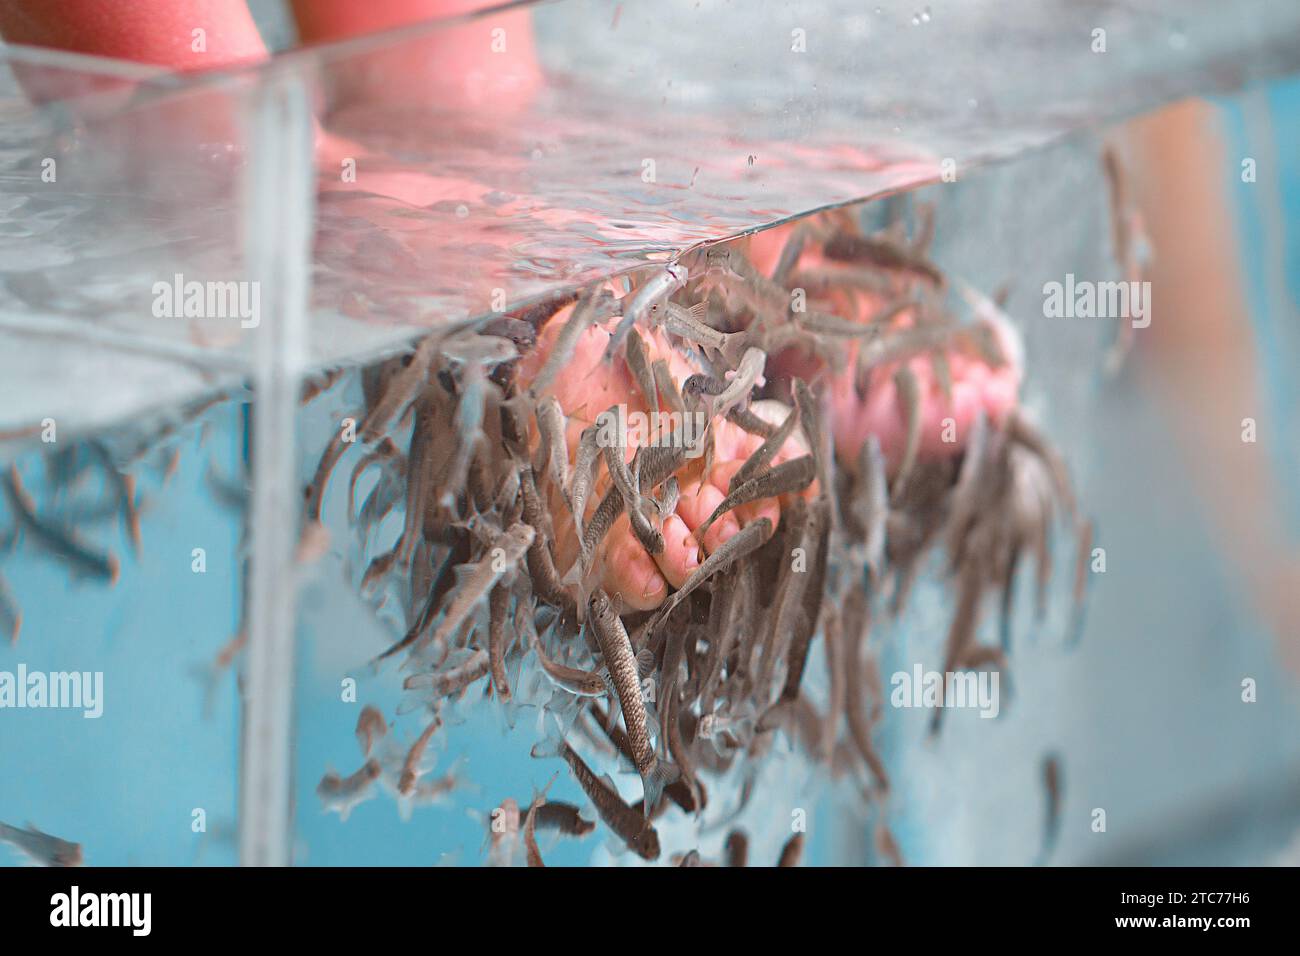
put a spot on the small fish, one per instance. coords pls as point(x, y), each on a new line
point(564, 818)
point(723, 612)
point(669, 495)
point(385, 451)
point(712, 726)
point(882, 253)
point(786, 603)
point(638, 363)
point(1026, 434)
point(739, 545)
point(60, 542)
point(554, 460)
point(992, 335)
point(401, 391)
point(748, 375)
point(430, 791)
point(737, 848)
point(789, 476)
point(832, 652)
point(11, 615)
point(498, 618)
point(541, 564)
point(663, 377)
point(656, 289)
point(745, 419)
point(470, 411)
point(677, 791)
point(887, 846)
point(371, 727)
point(909, 392)
point(792, 852)
point(654, 464)
point(474, 588)
point(821, 282)
point(833, 326)
point(479, 349)
point(870, 504)
point(965, 620)
point(531, 852)
point(765, 452)
point(727, 266)
point(923, 230)
point(620, 660)
point(702, 384)
point(535, 316)
point(855, 622)
point(425, 465)
point(319, 384)
point(629, 487)
point(1052, 814)
point(790, 255)
point(590, 307)
point(41, 848)
point(631, 825)
point(677, 748)
point(125, 485)
point(342, 794)
point(810, 421)
point(411, 766)
point(1084, 533)
point(904, 344)
point(804, 614)
point(573, 679)
point(584, 477)
point(689, 324)
point(451, 681)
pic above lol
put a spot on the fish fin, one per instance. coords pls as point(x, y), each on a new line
point(405, 807)
point(661, 775)
point(612, 705)
point(776, 717)
point(552, 745)
point(645, 662)
point(1007, 603)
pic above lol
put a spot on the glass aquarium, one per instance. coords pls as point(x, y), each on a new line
point(676, 433)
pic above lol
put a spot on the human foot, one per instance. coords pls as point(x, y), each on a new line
point(589, 386)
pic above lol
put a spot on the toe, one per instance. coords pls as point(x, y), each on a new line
point(681, 554)
point(694, 508)
point(629, 572)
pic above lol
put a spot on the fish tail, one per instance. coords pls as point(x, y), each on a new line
point(662, 773)
point(552, 745)
point(645, 663)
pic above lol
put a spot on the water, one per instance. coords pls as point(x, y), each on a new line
point(1140, 711)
